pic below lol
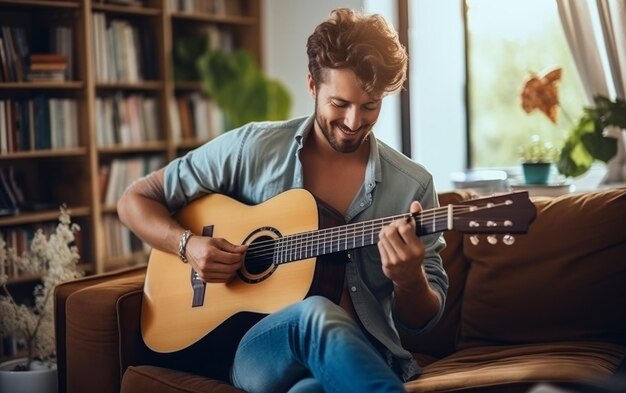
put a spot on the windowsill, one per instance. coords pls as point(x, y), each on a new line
point(590, 181)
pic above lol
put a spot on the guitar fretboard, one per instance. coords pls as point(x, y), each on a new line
point(312, 244)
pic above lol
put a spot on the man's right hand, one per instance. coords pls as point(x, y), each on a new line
point(216, 260)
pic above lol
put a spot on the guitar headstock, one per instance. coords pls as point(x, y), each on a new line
point(500, 214)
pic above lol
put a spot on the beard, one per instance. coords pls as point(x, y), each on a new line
point(327, 128)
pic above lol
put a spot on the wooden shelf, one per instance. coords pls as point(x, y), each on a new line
point(41, 3)
point(126, 10)
point(135, 259)
point(77, 176)
point(209, 18)
point(42, 216)
point(52, 85)
point(188, 85)
point(56, 153)
point(146, 147)
point(148, 85)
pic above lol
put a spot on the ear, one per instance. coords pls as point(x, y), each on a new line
point(311, 84)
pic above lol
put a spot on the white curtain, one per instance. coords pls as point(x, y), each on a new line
point(588, 45)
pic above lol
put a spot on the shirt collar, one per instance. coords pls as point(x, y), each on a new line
point(373, 172)
point(303, 131)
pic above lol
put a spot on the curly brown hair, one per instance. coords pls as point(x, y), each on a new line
point(368, 45)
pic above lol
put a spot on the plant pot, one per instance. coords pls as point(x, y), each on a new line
point(536, 172)
point(41, 379)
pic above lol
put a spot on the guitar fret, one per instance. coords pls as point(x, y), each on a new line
point(276, 256)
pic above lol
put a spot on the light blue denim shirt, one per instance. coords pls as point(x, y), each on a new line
point(260, 160)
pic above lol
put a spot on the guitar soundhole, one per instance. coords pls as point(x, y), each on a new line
point(259, 263)
point(261, 260)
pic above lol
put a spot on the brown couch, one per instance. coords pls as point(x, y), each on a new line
point(550, 308)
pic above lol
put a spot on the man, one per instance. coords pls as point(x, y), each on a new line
point(316, 345)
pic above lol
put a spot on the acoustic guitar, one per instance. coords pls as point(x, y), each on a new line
point(296, 249)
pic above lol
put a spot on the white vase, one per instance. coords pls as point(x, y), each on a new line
point(41, 379)
point(616, 167)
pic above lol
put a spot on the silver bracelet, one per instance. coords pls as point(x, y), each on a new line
point(182, 245)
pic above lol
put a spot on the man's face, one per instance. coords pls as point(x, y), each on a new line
point(344, 113)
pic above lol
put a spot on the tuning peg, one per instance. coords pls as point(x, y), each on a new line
point(508, 239)
point(492, 239)
point(474, 240)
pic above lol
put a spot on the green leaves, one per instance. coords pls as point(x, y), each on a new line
point(240, 89)
point(185, 51)
point(587, 142)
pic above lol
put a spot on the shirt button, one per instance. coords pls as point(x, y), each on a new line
point(353, 289)
point(362, 204)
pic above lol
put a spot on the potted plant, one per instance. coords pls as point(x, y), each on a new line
point(55, 259)
point(241, 90)
point(537, 158)
point(595, 136)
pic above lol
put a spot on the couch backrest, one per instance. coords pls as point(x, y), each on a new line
point(563, 281)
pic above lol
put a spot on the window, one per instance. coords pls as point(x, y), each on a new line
point(506, 42)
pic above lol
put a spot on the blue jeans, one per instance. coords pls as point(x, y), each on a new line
point(311, 346)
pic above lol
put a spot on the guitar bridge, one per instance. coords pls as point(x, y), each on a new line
point(197, 285)
point(199, 288)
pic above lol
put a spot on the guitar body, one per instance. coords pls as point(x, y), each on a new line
point(178, 310)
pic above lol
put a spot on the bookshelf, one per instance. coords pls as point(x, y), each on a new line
point(89, 102)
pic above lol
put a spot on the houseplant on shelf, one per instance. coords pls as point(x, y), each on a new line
point(55, 259)
point(540, 92)
point(537, 159)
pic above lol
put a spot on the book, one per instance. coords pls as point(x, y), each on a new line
point(4, 62)
point(42, 123)
point(546, 190)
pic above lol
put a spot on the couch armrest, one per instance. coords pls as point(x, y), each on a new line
point(97, 321)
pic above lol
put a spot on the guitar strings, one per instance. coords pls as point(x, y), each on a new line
point(307, 242)
point(260, 251)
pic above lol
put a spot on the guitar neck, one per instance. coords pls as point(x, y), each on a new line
point(351, 236)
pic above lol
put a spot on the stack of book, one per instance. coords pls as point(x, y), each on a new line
point(47, 67)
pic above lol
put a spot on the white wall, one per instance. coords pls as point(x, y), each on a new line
point(286, 26)
point(436, 71)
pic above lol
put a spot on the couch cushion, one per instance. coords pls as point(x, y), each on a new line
point(142, 379)
point(441, 340)
point(518, 367)
point(95, 345)
point(564, 280)
point(61, 293)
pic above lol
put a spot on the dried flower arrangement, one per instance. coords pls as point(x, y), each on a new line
point(55, 259)
point(592, 137)
point(540, 92)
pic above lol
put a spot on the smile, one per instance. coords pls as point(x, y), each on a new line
point(348, 131)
